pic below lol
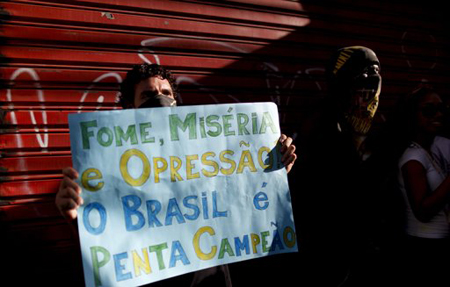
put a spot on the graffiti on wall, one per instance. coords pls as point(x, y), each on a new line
point(39, 118)
point(275, 80)
point(146, 54)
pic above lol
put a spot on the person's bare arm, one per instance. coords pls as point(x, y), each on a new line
point(425, 204)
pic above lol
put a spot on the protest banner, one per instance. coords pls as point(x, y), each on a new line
point(174, 190)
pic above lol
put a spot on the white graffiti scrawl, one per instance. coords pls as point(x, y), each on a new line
point(275, 81)
point(42, 140)
point(42, 134)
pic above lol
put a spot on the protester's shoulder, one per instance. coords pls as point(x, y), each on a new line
point(442, 142)
point(441, 151)
point(441, 147)
point(413, 152)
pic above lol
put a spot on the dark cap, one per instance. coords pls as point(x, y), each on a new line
point(349, 62)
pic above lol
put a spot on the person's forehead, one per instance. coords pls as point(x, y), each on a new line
point(155, 83)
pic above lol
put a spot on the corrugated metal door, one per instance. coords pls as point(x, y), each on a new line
point(61, 57)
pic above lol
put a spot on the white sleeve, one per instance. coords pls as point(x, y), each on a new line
point(441, 153)
point(414, 153)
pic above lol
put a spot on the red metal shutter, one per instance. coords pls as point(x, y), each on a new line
point(61, 57)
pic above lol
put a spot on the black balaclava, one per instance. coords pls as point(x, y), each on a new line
point(355, 86)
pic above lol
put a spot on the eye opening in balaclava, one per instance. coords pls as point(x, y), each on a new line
point(355, 86)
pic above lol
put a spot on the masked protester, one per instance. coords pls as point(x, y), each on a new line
point(334, 206)
point(355, 87)
point(153, 86)
point(148, 86)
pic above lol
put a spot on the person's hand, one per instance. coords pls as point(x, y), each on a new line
point(288, 152)
point(68, 198)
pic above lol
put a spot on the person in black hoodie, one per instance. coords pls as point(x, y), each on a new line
point(333, 208)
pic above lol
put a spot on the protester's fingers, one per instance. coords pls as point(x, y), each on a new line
point(69, 183)
point(281, 140)
point(289, 163)
point(68, 201)
point(70, 172)
point(68, 208)
point(290, 160)
point(71, 214)
point(287, 142)
point(68, 197)
point(72, 193)
point(290, 150)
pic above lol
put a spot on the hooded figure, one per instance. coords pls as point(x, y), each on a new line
point(335, 218)
point(354, 88)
